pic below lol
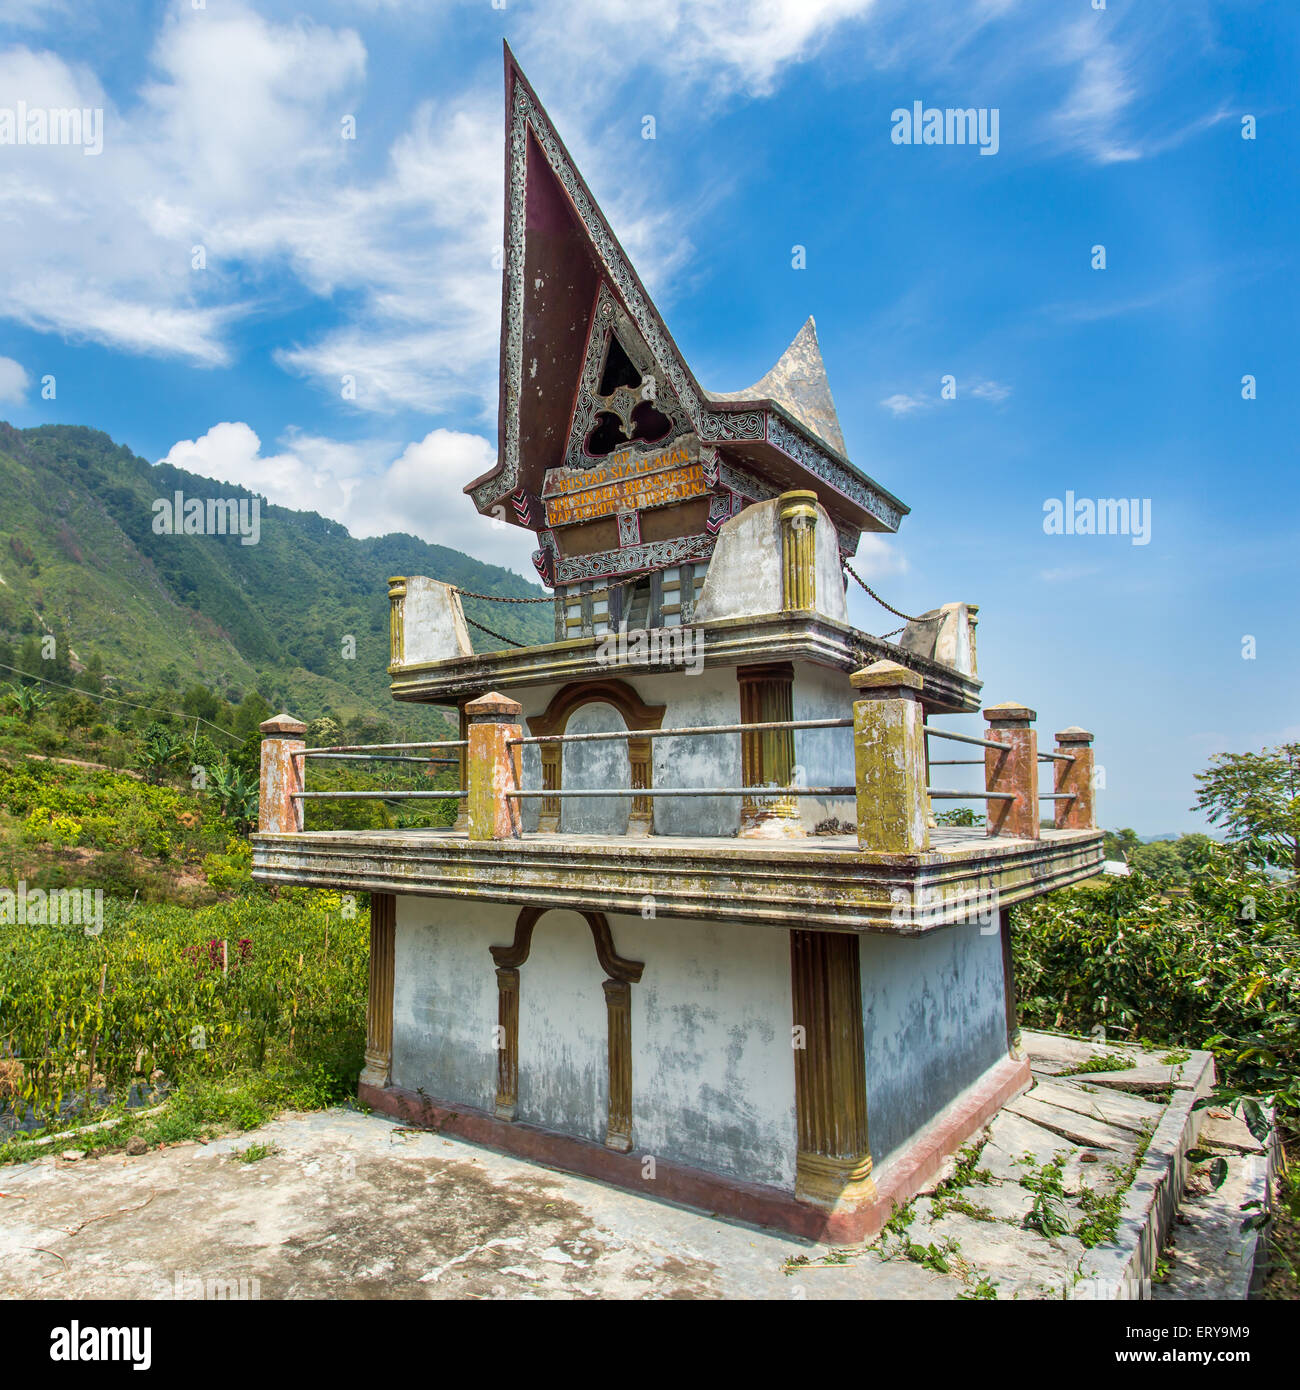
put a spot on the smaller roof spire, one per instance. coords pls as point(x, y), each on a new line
point(798, 382)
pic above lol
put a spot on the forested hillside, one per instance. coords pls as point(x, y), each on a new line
point(80, 561)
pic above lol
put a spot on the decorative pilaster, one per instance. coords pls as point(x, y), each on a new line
point(833, 1166)
point(396, 621)
point(642, 820)
point(890, 760)
point(1015, 771)
point(552, 755)
point(379, 1003)
point(1009, 982)
point(279, 811)
point(493, 768)
point(767, 758)
point(1075, 778)
point(798, 512)
point(618, 1009)
point(507, 1101)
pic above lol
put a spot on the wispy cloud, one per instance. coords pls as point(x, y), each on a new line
point(900, 403)
point(982, 389)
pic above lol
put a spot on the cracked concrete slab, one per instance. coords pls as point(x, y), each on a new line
point(350, 1205)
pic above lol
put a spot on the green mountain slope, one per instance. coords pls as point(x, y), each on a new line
point(79, 559)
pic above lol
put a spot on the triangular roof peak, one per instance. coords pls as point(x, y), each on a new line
point(570, 295)
point(799, 383)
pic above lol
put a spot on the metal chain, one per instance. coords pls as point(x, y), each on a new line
point(499, 636)
point(548, 598)
point(898, 613)
point(500, 598)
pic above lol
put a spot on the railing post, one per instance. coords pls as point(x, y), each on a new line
point(889, 755)
point(1075, 778)
point(279, 812)
point(493, 767)
point(1015, 771)
point(462, 732)
point(798, 513)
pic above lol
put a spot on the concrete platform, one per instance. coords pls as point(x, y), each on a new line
point(354, 1205)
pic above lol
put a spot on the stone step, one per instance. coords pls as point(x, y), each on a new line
point(1106, 1104)
point(1010, 1138)
point(1209, 1255)
point(1078, 1129)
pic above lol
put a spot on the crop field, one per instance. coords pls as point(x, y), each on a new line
point(164, 995)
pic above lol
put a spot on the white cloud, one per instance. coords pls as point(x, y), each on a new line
point(100, 248)
point(717, 45)
point(1102, 90)
point(907, 403)
point(233, 144)
point(13, 382)
point(900, 403)
point(373, 488)
point(32, 14)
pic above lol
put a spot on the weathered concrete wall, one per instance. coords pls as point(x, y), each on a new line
point(825, 755)
point(595, 765)
point(691, 701)
point(933, 1022)
point(744, 576)
point(713, 1069)
point(434, 625)
point(712, 697)
point(445, 998)
point(563, 1066)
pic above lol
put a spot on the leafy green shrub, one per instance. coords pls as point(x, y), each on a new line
point(1212, 967)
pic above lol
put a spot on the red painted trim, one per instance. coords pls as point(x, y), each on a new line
point(754, 1203)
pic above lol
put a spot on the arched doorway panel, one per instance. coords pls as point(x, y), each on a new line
point(564, 964)
point(558, 761)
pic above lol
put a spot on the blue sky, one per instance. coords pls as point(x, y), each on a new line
point(377, 258)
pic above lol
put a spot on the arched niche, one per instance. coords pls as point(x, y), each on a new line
point(636, 716)
point(622, 975)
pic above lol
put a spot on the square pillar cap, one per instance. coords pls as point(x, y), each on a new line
point(882, 676)
point(1074, 734)
point(282, 724)
point(493, 709)
point(1010, 712)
